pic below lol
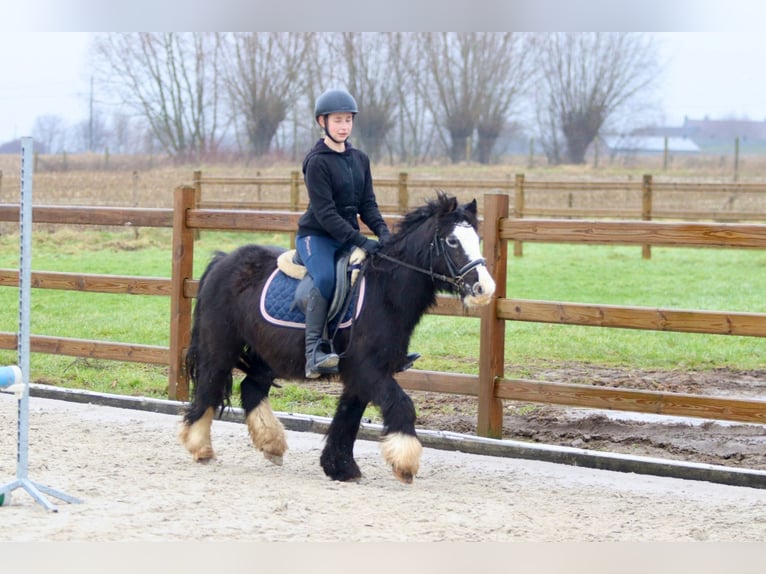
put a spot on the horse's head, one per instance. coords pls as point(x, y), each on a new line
point(454, 254)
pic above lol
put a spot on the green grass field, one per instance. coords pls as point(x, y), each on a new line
point(722, 280)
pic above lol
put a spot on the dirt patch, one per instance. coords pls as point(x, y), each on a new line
point(729, 444)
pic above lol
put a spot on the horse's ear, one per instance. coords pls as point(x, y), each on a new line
point(471, 206)
point(451, 204)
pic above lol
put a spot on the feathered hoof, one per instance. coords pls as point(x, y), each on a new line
point(204, 454)
point(402, 452)
point(267, 433)
point(201, 451)
point(196, 437)
point(276, 459)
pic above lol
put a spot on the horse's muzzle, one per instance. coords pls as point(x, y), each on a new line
point(481, 291)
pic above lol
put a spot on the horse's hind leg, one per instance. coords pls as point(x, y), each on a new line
point(195, 435)
point(266, 431)
point(337, 458)
point(211, 392)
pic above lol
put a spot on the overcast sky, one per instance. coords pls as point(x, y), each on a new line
point(707, 74)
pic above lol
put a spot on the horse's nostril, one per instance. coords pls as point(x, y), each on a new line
point(478, 289)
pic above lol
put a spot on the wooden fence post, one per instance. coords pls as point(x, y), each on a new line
point(531, 159)
point(197, 183)
point(403, 199)
point(646, 210)
point(492, 330)
point(180, 304)
point(295, 190)
point(518, 210)
point(295, 198)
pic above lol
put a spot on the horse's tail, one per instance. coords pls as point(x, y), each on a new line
point(192, 353)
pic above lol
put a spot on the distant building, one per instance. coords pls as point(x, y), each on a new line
point(11, 147)
point(714, 135)
point(648, 144)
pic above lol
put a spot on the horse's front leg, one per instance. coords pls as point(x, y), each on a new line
point(265, 429)
point(401, 447)
point(337, 458)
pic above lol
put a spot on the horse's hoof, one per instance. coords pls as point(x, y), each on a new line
point(204, 454)
point(402, 452)
point(342, 473)
point(347, 478)
point(403, 476)
point(273, 458)
point(196, 437)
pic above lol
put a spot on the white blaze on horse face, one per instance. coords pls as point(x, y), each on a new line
point(484, 288)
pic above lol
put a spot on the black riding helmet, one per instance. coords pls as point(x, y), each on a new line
point(331, 102)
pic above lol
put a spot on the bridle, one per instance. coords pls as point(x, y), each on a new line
point(439, 248)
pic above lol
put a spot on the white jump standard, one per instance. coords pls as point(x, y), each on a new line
point(17, 377)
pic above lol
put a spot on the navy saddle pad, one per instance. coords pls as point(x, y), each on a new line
point(277, 303)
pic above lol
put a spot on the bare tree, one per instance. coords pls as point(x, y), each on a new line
point(504, 79)
point(92, 134)
point(365, 67)
point(50, 133)
point(170, 79)
point(588, 78)
point(475, 79)
point(452, 87)
point(265, 71)
point(415, 128)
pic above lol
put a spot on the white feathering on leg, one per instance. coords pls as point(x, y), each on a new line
point(402, 452)
point(267, 432)
point(196, 437)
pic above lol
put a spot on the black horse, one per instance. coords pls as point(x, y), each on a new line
point(434, 249)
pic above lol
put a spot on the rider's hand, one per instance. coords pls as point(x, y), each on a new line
point(370, 246)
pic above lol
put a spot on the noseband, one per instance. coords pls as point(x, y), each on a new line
point(438, 248)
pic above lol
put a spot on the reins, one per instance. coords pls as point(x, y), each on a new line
point(457, 277)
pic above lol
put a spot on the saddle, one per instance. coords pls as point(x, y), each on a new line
point(284, 298)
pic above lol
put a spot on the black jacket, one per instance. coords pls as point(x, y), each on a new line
point(340, 188)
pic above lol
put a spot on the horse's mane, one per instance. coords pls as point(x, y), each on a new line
point(437, 208)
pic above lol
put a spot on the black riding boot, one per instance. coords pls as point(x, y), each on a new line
point(318, 360)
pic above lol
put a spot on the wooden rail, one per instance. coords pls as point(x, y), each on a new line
point(635, 233)
point(120, 284)
point(649, 319)
point(85, 215)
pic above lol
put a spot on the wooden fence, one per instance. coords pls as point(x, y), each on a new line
point(646, 199)
point(129, 285)
point(490, 386)
point(629, 198)
point(499, 229)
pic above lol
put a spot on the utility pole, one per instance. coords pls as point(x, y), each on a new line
point(90, 121)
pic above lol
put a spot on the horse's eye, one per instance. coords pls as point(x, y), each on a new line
point(452, 241)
